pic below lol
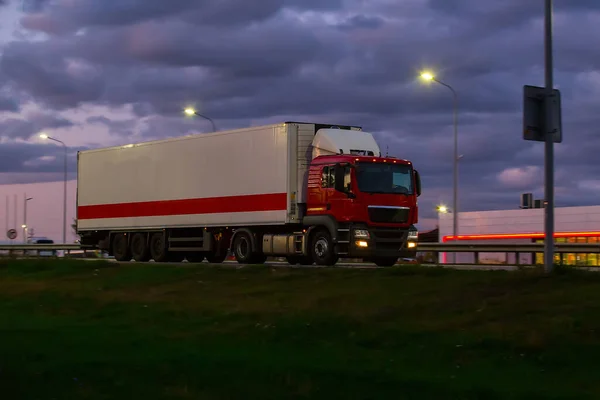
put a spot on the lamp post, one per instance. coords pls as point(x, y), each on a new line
point(428, 76)
point(44, 136)
point(191, 111)
point(24, 226)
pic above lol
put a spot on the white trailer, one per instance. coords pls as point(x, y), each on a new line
point(190, 196)
point(243, 177)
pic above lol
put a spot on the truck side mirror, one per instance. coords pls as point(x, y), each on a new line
point(418, 182)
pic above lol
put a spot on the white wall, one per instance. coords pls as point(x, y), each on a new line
point(567, 219)
point(44, 211)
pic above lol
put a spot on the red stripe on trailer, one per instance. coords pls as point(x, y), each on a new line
point(211, 205)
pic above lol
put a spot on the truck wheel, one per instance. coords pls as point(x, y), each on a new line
point(322, 250)
point(120, 247)
point(158, 248)
point(139, 247)
point(385, 261)
point(242, 248)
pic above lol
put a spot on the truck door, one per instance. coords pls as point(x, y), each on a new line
point(338, 201)
point(327, 187)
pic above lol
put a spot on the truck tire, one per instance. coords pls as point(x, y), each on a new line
point(242, 249)
point(120, 247)
point(385, 261)
point(158, 247)
point(140, 250)
point(322, 249)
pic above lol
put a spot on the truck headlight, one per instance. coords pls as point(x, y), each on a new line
point(413, 235)
point(361, 233)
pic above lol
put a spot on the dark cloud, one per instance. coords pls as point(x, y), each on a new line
point(8, 104)
point(362, 22)
point(115, 127)
point(68, 17)
point(332, 61)
point(30, 158)
point(32, 124)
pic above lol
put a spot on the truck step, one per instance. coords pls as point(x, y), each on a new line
point(186, 239)
point(186, 249)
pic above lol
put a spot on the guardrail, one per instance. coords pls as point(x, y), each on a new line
point(507, 247)
point(35, 249)
point(39, 247)
point(476, 249)
point(514, 248)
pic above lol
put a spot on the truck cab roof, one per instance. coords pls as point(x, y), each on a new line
point(353, 159)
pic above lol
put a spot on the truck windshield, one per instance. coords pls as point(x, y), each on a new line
point(384, 178)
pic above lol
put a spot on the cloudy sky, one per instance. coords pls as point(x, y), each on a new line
point(104, 72)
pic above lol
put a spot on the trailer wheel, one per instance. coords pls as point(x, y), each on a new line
point(139, 247)
point(385, 261)
point(242, 248)
point(322, 250)
point(120, 247)
point(158, 247)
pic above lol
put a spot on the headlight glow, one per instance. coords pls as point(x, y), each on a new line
point(361, 233)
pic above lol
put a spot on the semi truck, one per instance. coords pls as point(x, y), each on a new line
point(312, 193)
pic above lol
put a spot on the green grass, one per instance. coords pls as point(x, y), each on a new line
point(98, 330)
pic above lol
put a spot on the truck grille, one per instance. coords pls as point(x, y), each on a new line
point(389, 214)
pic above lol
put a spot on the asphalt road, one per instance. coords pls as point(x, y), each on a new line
point(360, 265)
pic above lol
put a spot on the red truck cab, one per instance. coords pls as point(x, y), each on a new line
point(373, 201)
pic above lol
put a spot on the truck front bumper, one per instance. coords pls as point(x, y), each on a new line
point(369, 242)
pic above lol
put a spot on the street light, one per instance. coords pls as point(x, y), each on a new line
point(44, 136)
point(430, 77)
point(442, 209)
point(24, 226)
point(191, 112)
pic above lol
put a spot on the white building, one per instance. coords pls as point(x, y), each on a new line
point(572, 225)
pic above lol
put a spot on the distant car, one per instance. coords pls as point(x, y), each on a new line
point(43, 253)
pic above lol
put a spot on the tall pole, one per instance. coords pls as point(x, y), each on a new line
point(44, 136)
point(6, 214)
point(15, 214)
point(455, 165)
point(214, 127)
point(455, 199)
point(65, 198)
point(25, 229)
point(25, 218)
point(549, 145)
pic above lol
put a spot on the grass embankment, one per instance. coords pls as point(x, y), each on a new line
point(96, 330)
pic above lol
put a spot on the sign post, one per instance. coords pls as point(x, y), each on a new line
point(542, 122)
